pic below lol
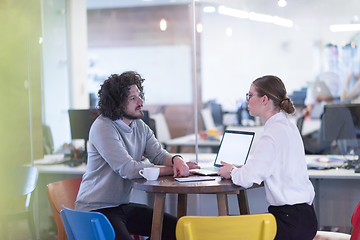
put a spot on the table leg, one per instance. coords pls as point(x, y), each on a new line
point(223, 208)
point(317, 200)
point(158, 216)
point(182, 205)
point(243, 202)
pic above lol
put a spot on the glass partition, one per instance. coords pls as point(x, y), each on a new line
point(194, 55)
point(198, 58)
point(243, 40)
point(156, 41)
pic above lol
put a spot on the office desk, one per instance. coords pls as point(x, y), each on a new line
point(60, 169)
point(189, 140)
point(309, 126)
point(164, 185)
point(337, 193)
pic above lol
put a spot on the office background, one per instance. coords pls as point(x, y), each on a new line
point(55, 53)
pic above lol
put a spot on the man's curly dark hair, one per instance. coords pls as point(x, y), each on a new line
point(114, 93)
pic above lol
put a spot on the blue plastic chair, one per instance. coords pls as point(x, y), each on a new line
point(86, 225)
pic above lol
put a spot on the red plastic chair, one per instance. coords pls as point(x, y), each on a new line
point(355, 235)
point(355, 221)
point(64, 193)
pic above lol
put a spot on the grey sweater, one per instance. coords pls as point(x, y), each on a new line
point(116, 153)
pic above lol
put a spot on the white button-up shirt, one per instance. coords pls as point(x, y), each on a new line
point(278, 161)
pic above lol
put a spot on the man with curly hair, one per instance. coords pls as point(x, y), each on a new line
point(121, 144)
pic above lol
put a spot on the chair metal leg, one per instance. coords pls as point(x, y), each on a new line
point(136, 237)
point(32, 226)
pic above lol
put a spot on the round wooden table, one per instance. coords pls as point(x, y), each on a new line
point(167, 184)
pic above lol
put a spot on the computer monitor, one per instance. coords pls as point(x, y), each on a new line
point(217, 113)
point(341, 122)
point(82, 119)
point(80, 123)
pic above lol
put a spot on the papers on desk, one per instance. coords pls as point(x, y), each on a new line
point(52, 159)
point(195, 179)
point(326, 162)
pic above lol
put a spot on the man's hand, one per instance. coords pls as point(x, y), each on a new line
point(225, 171)
point(307, 111)
point(180, 168)
point(192, 165)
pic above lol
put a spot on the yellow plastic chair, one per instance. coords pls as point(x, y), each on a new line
point(245, 227)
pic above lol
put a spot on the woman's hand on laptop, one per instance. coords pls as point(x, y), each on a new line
point(225, 170)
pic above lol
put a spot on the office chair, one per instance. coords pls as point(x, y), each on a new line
point(300, 123)
point(64, 193)
point(23, 185)
point(355, 235)
point(48, 142)
point(161, 127)
point(254, 227)
point(86, 225)
point(207, 119)
point(217, 113)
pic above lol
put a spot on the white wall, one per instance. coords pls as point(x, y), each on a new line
point(56, 95)
point(64, 65)
point(77, 51)
point(166, 69)
point(230, 64)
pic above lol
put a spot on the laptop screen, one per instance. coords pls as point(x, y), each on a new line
point(234, 147)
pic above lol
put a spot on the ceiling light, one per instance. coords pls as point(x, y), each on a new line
point(345, 27)
point(282, 3)
point(260, 17)
point(163, 24)
point(209, 9)
point(256, 16)
point(233, 12)
point(199, 28)
point(283, 22)
point(229, 31)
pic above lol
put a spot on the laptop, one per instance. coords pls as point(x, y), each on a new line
point(321, 89)
point(234, 149)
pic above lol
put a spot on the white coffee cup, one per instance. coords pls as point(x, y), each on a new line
point(150, 173)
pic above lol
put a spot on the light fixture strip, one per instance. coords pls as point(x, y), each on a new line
point(255, 16)
point(345, 27)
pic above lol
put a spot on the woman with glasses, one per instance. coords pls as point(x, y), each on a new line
point(278, 161)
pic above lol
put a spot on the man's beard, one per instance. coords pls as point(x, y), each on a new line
point(132, 116)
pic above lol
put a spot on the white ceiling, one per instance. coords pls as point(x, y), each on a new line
point(327, 11)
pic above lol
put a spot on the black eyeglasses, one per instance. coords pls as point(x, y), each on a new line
point(249, 96)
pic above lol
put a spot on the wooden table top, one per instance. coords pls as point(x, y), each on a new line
point(167, 184)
